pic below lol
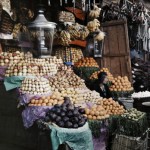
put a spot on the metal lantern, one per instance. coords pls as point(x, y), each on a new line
point(93, 47)
point(42, 34)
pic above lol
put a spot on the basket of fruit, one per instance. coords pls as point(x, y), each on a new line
point(85, 67)
point(133, 123)
point(121, 87)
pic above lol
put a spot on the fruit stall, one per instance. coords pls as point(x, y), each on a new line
point(48, 73)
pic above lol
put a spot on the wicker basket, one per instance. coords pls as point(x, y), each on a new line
point(122, 142)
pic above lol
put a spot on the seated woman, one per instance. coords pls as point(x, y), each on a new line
point(101, 85)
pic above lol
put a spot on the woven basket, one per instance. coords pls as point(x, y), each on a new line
point(122, 142)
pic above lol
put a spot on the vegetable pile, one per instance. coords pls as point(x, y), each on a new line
point(85, 67)
point(66, 115)
point(55, 60)
point(86, 62)
point(52, 100)
point(96, 112)
point(35, 86)
point(8, 58)
point(133, 123)
point(79, 96)
point(69, 54)
point(32, 67)
point(133, 114)
point(121, 84)
point(66, 79)
point(112, 107)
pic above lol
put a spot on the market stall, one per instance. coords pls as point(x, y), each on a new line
point(48, 73)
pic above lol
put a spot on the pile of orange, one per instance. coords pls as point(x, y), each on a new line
point(112, 107)
point(96, 113)
point(86, 62)
point(95, 74)
point(121, 84)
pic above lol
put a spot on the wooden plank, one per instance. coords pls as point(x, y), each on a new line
point(124, 70)
point(115, 55)
point(78, 43)
point(113, 23)
point(121, 40)
point(117, 65)
point(106, 50)
point(113, 40)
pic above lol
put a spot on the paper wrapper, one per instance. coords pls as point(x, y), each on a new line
point(33, 113)
point(26, 98)
point(100, 143)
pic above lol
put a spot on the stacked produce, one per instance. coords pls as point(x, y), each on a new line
point(69, 54)
point(85, 67)
point(121, 84)
point(86, 62)
point(66, 79)
point(73, 94)
point(35, 86)
point(22, 68)
point(80, 97)
point(32, 67)
point(62, 38)
point(95, 74)
point(53, 59)
point(52, 100)
point(133, 114)
point(91, 96)
point(69, 84)
point(28, 55)
point(96, 112)
point(112, 107)
point(141, 94)
point(7, 58)
point(133, 123)
point(47, 69)
point(50, 60)
point(66, 115)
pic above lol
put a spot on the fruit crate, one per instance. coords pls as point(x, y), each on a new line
point(122, 142)
point(132, 128)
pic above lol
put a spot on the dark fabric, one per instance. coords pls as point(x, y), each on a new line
point(106, 93)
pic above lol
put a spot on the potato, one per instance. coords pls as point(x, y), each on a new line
point(90, 117)
point(94, 117)
point(43, 104)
